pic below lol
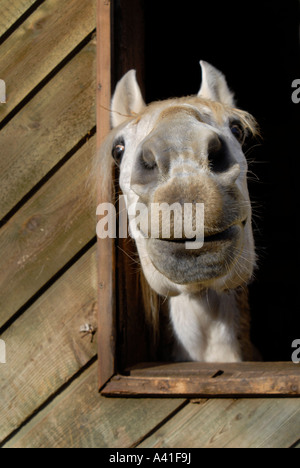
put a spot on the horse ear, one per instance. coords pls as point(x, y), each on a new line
point(127, 99)
point(214, 85)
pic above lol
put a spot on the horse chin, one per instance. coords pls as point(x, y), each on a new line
point(187, 266)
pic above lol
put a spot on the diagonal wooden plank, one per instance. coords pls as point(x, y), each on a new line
point(220, 423)
point(41, 43)
point(56, 223)
point(10, 12)
point(48, 127)
point(44, 347)
point(80, 418)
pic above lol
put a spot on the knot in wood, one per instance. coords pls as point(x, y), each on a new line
point(33, 223)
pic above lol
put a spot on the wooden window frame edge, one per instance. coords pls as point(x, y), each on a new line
point(226, 380)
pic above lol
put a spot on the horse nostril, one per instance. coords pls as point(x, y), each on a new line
point(148, 160)
point(218, 155)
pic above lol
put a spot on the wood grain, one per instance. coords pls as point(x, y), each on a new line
point(44, 346)
point(226, 423)
point(80, 418)
point(48, 127)
point(56, 223)
point(11, 12)
point(41, 43)
point(219, 379)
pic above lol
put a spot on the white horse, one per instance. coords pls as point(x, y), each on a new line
point(189, 150)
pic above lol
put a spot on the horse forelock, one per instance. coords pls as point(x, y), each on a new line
point(218, 111)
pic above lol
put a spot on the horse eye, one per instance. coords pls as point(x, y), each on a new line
point(118, 152)
point(238, 132)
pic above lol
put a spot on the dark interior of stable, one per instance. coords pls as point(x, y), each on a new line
point(256, 45)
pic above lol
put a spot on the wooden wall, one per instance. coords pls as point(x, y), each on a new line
point(47, 210)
